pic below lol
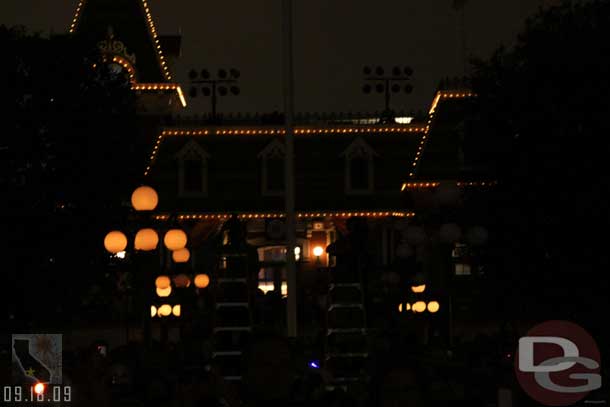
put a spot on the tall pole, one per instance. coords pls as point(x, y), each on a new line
point(459, 7)
point(214, 101)
point(291, 274)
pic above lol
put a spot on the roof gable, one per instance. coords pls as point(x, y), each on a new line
point(132, 26)
point(358, 148)
point(191, 150)
point(275, 149)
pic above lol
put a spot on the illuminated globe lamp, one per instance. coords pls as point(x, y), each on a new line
point(153, 311)
point(144, 198)
point(318, 251)
point(162, 282)
point(181, 255)
point(419, 306)
point(39, 388)
point(433, 307)
point(175, 239)
point(418, 289)
point(164, 292)
point(404, 307)
point(177, 310)
point(146, 240)
point(182, 281)
point(164, 310)
point(115, 242)
point(202, 280)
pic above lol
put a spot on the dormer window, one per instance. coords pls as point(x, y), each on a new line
point(359, 167)
point(192, 170)
point(272, 169)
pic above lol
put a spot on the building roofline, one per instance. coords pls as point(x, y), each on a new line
point(278, 215)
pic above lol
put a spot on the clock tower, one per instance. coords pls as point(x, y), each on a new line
point(124, 34)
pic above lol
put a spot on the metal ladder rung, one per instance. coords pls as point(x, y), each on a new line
point(344, 285)
point(232, 280)
point(346, 305)
point(232, 328)
point(349, 379)
point(347, 330)
point(347, 355)
point(227, 353)
point(231, 304)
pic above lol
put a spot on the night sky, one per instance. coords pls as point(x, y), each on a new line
point(334, 39)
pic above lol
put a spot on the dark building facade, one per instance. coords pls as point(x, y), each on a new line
point(415, 191)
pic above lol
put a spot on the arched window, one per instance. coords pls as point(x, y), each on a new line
point(359, 167)
point(272, 169)
point(192, 170)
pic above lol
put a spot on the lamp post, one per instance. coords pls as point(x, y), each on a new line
point(224, 83)
point(389, 84)
point(146, 241)
point(289, 197)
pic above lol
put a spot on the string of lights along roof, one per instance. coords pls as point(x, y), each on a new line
point(440, 95)
point(156, 45)
point(306, 215)
point(434, 184)
point(277, 131)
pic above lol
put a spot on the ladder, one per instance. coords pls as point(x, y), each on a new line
point(346, 347)
point(232, 315)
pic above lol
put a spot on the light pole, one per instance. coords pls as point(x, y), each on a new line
point(224, 83)
point(288, 75)
point(387, 83)
point(145, 242)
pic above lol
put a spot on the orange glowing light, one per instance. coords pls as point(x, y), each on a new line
point(39, 388)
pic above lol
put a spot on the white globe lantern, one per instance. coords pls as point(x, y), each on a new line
point(202, 280)
point(419, 306)
point(477, 236)
point(162, 282)
point(175, 239)
point(144, 199)
point(450, 233)
point(418, 289)
point(115, 242)
point(164, 292)
point(415, 235)
point(181, 256)
point(164, 310)
point(182, 281)
point(146, 240)
point(177, 310)
point(433, 307)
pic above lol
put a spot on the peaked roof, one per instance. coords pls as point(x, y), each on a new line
point(440, 155)
point(131, 23)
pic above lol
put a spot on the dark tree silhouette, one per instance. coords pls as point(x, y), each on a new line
point(67, 151)
point(543, 113)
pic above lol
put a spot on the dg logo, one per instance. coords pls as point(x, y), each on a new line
point(558, 363)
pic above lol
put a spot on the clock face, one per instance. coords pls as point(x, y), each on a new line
point(112, 73)
point(115, 69)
